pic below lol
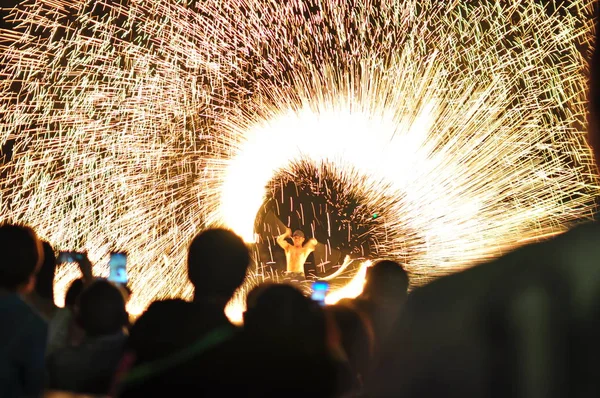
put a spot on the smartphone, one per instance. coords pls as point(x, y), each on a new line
point(118, 267)
point(319, 291)
point(65, 257)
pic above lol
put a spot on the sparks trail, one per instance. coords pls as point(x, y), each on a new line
point(135, 124)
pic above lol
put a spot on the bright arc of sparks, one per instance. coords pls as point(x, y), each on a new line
point(134, 126)
point(353, 288)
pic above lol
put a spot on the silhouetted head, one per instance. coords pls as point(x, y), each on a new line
point(286, 335)
point(102, 309)
point(217, 263)
point(298, 237)
point(255, 293)
point(73, 293)
point(387, 280)
point(21, 257)
point(44, 284)
point(281, 313)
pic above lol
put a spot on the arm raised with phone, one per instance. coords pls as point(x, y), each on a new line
point(82, 260)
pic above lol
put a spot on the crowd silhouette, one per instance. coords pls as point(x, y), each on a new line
point(524, 325)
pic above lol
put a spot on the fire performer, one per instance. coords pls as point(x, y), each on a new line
point(297, 253)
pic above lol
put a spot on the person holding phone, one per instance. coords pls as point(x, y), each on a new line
point(63, 329)
point(82, 260)
point(297, 253)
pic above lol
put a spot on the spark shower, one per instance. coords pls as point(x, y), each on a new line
point(441, 134)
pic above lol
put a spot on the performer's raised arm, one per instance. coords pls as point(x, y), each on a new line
point(311, 244)
point(281, 239)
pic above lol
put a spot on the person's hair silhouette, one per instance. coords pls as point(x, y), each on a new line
point(217, 263)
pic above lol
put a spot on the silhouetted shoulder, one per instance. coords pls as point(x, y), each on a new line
point(573, 253)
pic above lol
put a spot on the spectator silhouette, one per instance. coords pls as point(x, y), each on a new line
point(383, 296)
point(282, 315)
point(63, 329)
point(24, 332)
point(90, 367)
point(217, 264)
point(286, 337)
point(73, 293)
point(357, 337)
point(189, 356)
point(42, 296)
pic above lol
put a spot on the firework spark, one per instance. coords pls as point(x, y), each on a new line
point(133, 126)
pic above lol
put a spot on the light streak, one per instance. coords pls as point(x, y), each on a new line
point(136, 129)
point(351, 289)
point(340, 270)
